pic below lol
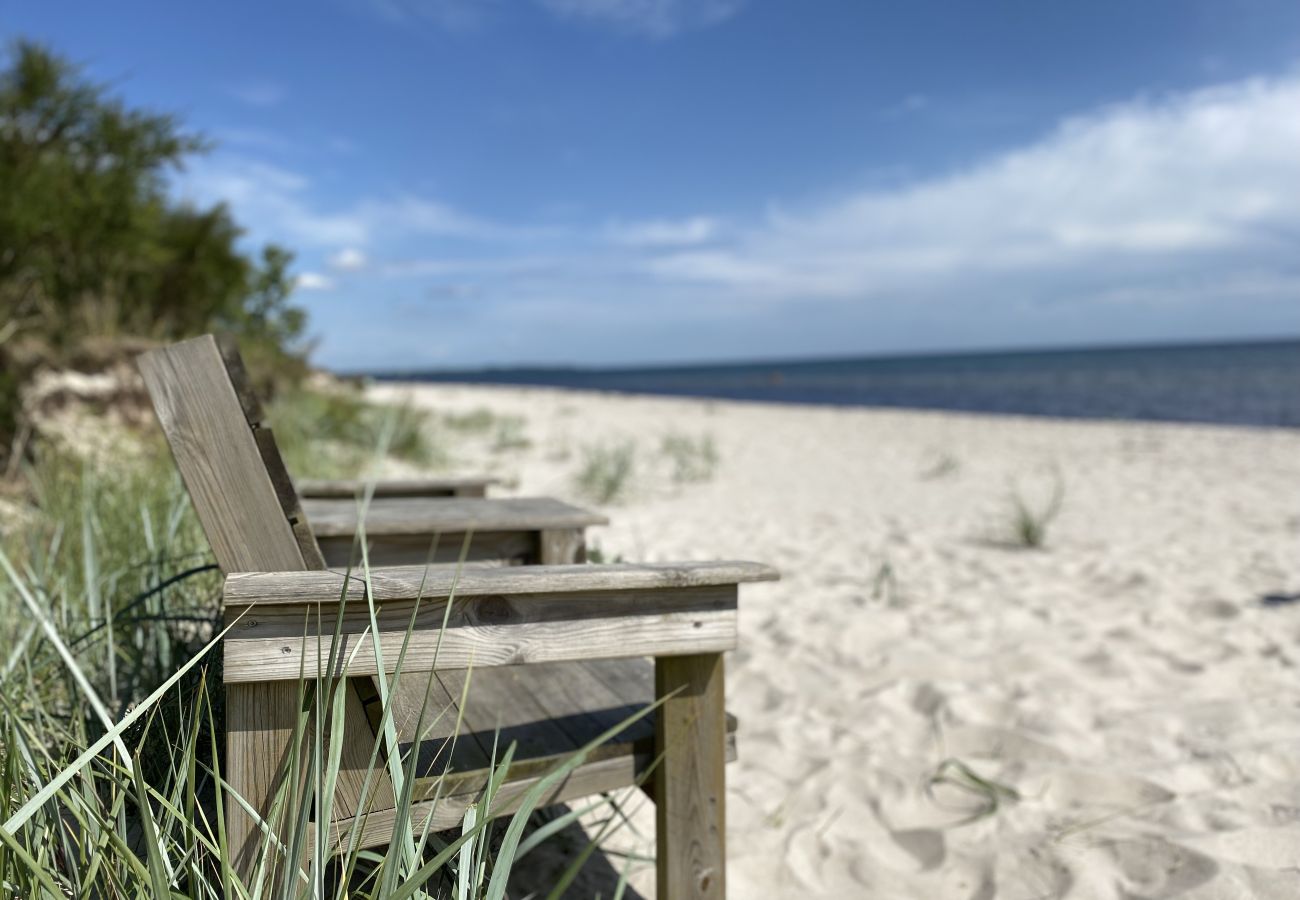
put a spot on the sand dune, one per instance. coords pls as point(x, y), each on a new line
point(928, 712)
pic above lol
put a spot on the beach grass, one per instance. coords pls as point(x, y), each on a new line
point(606, 472)
point(1027, 522)
point(112, 731)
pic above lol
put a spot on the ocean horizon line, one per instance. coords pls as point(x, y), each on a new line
point(420, 372)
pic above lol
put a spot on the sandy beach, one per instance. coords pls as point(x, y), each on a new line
point(929, 711)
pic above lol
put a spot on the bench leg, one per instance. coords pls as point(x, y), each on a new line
point(689, 783)
point(260, 720)
point(562, 547)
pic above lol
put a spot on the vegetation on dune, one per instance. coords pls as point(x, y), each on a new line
point(94, 250)
point(111, 719)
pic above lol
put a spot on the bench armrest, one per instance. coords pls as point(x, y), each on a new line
point(347, 488)
point(285, 622)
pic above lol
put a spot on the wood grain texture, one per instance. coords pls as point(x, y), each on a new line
point(415, 515)
point(259, 728)
point(562, 546)
point(689, 784)
point(506, 548)
point(219, 458)
point(350, 489)
point(266, 588)
point(272, 642)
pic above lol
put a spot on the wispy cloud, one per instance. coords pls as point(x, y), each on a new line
point(653, 18)
point(279, 204)
point(664, 232)
point(349, 259)
point(1144, 190)
point(451, 15)
point(259, 93)
point(314, 281)
point(649, 18)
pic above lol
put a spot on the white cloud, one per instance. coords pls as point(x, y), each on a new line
point(664, 232)
point(272, 202)
point(1133, 193)
point(314, 281)
point(259, 93)
point(276, 204)
point(653, 18)
point(349, 259)
point(452, 15)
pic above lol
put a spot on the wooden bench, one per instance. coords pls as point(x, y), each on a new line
point(513, 530)
point(559, 654)
point(404, 517)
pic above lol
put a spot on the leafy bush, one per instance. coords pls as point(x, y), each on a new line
point(95, 248)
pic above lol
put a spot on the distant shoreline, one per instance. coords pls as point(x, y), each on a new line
point(1242, 383)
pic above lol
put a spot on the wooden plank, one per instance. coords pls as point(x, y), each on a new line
point(414, 515)
point(349, 489)
point(498, 711)
point(358, 741)
point(219, 458)
point(425, 692)
point(269, 643)
point(449, 810)
point(513, 548)
point(577, 700)
point(265, 588)
point(259, 728)
point(689, 784)
point(270, 452)
point(562, 547)
point(598, 775)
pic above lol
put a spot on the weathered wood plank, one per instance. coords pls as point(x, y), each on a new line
point(619, 766)
point(269, 642)
point(346, 489)
point(265, 588)
point(219, 458)
point(415, 515)
point(506, 548)
point(689, 784)
point(260, 721)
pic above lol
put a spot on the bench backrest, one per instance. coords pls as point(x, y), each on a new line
point(227, 456)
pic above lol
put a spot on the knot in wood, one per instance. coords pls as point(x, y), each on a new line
point(492, 610)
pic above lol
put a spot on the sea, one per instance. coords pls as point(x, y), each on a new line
point(1255, 383)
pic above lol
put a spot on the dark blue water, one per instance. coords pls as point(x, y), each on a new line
point(1239, 384)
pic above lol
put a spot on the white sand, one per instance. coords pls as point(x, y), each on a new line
point(1126, 681)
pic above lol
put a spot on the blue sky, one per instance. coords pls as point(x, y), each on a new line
point(471, 182)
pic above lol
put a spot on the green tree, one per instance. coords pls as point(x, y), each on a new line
point(92, 246)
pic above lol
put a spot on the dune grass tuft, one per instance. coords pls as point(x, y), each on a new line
point(606, 471)
point(693, 459)
point(1027, 523)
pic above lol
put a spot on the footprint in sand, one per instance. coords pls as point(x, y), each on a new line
point(1080, 788)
